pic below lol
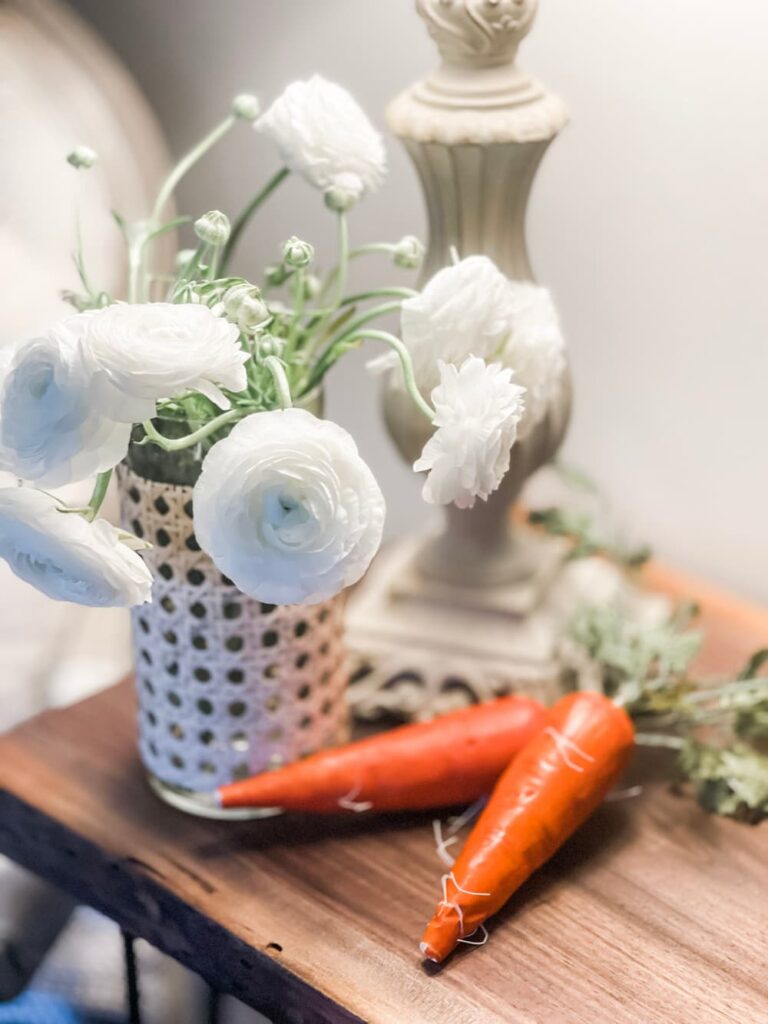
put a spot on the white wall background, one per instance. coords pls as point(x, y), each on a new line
point(649, 221)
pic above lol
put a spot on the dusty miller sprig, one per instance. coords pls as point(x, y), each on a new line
point(647, 669)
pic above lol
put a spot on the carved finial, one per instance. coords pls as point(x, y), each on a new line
point(478, 32)
point(478, 95)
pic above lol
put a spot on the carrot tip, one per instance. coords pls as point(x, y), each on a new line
point(427, 952)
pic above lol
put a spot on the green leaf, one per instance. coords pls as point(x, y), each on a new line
point(171, 225)
point(755, 663)
point(120, 221)
point(731, 781)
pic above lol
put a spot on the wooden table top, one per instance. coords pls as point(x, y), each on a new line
point(654, 913)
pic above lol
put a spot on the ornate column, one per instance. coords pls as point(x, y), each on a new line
point(476, 130)
point(465, 609)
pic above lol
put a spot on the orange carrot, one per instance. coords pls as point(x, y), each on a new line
point(453, 759)
point(551, 788)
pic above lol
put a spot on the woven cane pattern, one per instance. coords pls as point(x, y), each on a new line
point(227, 686)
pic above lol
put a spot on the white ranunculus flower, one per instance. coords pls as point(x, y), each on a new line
point(50, 432)
point(478, 409)
point(66, 557)
point(144, 352)
point(287, 509)
point(324, 135)
point(471, 308)
point(535, 350)
point(465, 308)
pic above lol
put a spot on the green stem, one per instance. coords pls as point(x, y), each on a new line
point(363, 250)
point(372, 247)
point(343, 265)
point(187, 163)
point(320, 314)
point(725, 690)
point(371, 314)
point(298, 311)
point(243, 220)
point(409, 379)
point(169, 444)
point(337, 278)
point(282, 387)
point(395, 293)
point(653, 739)
point(135, 261)
point(99, 493)
point(189, 270)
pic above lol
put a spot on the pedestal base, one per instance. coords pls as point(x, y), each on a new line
point(422, 648)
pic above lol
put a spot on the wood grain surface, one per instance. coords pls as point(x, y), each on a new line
point(654, 913)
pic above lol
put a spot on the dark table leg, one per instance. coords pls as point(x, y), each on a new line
point(131, 979)
point(214, 1006)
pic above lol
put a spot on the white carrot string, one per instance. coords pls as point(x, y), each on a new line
point(442, 844)
point(454, 825)
point(624, 794)
point(467, 892)
point(349, 802)
point(474, 942)
point(564, 745)
point(459, 912)
point(453, 905)
point(457, 824)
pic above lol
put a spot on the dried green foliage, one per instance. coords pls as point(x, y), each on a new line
point(646, 669)
point(642, 667)
point(732, 781)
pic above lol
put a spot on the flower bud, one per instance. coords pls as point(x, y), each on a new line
point(213, 227)
point(408, 253)
point(312, 286)
point(339, 198)
point(246, 106)
point(296, 253)
point(269, 345)
point(244, 305)
point(276, 274)
point(183, 256)
point(82, 157)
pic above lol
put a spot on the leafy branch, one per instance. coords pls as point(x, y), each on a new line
point(647, 669)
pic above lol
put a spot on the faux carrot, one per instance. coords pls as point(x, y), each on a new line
point(550, 789)
point(453, 759)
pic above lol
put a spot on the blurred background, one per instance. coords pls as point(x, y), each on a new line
point(648, 221)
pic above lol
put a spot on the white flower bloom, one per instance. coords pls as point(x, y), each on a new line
point(478, 409)
point(466, 308)
point(287, 509)
point(66, 557)
point(145, 352)
point(535, 350)
point(472, 308)
point(50, 431)
point(324, 135)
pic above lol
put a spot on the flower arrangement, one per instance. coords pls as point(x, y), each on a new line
point(205, 360)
